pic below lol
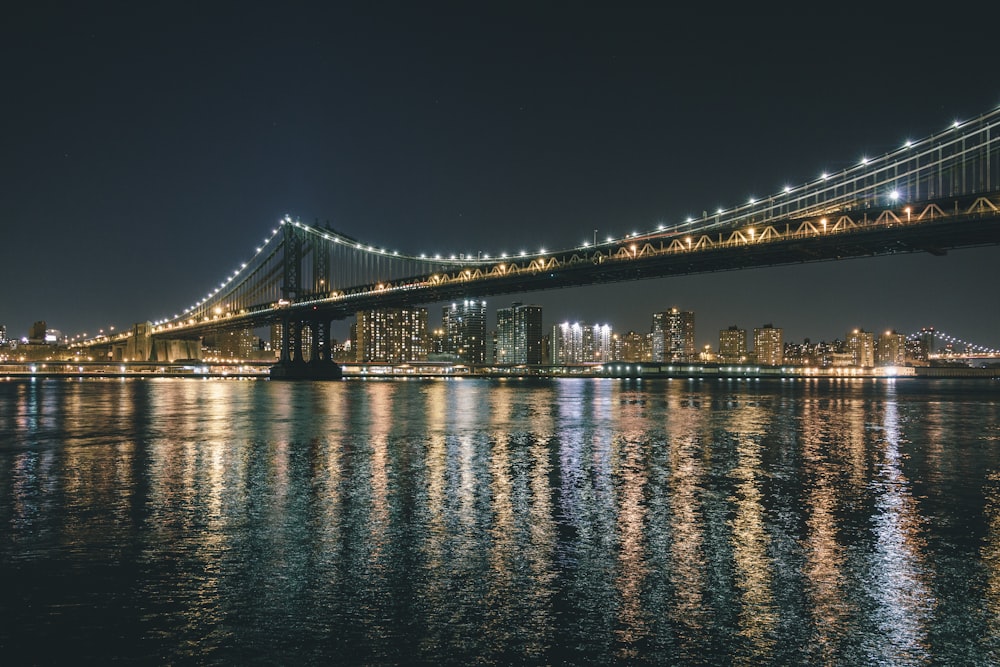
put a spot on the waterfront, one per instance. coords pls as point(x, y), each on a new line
point(530, 521)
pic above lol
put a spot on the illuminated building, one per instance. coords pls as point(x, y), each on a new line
point(916, 350)
point(392, 335)
point(519, 335)
point(617, 347)
point(636, 347)
point(343, 352)
point(891, 349)
point(464, 325)
point(242, 344)
point(673, 336)
point(601, 337)
point(733, 345)
point(3, 334)
point(437, 342)
point(860, 344)
point(768, 348)
point(581, 343)
point(807, 353)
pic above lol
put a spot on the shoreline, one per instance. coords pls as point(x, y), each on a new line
point(418, 371)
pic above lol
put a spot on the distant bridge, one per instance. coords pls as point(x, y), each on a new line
point(934, 195)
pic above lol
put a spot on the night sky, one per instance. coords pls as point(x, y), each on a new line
point(147, 148)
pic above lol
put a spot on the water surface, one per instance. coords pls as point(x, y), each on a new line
point(468, 521)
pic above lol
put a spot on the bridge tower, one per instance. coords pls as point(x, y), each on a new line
point(291, 331)
point(320, 352)
point(291, 364)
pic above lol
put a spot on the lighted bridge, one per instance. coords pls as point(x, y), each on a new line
point(933, 195)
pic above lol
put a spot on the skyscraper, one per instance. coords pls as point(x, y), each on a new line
point(238, 344)
point(519, 335)
point(578, 343)
point(891, 349)
point(602, 337)
point(733, 345)
point(636, 347)
point(768, 345)
point(464, 324)
point(861, 345)
point(392, 335)
point(673, 336)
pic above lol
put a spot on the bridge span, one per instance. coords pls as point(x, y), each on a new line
point(935, 195)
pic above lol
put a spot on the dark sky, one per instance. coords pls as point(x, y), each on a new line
point(148, 147)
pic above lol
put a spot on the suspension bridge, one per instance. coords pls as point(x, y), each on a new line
point(934, 195)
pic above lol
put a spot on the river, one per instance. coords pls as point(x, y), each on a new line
point(477, 521)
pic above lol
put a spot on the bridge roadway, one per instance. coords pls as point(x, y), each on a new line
point(932, 226)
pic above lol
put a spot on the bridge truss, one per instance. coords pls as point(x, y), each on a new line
point(940, 193)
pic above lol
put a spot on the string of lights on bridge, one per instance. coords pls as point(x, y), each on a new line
point(954, 341)
point(691, 225)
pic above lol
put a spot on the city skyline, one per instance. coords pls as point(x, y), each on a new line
point(151, 151)
point(702, 336)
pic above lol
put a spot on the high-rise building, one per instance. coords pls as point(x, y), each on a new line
point(808, 353)
point(916, 350)
point(437, 342)
point(392, 335)
point(242, 344)
point(464, 325)
point(636, 347)
point(3, 334)
point(733, 345)
point(601, 336)
point(673, 336)
point(567, 343)
point(928, 339)
point(891, 349)
point(581, 343)
point(343, 352)
point(861, 346)
point(519, 335)
point(768, 346)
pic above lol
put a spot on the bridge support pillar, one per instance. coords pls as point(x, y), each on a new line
point(292, 365)
point(291, 341)
point(320, 343)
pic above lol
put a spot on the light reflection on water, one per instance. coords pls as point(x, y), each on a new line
point(570, 521)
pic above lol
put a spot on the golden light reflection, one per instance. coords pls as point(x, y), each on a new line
point(686, 558)
point(633, 568)
point(380, 406)
point(330, 475)
point(436, 405)
point(823, 552)
point(503, 611)
point(758, 614)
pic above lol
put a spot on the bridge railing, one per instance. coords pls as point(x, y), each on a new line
point(301, 263)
